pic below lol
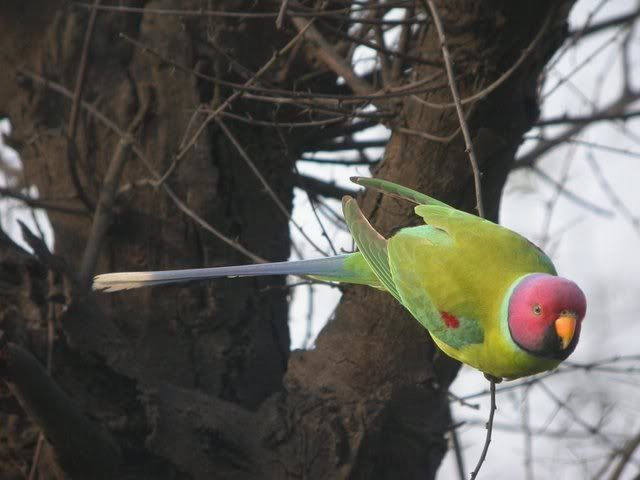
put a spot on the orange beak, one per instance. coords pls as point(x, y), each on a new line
point(565, 328)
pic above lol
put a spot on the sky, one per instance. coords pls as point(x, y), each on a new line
point(600, 253)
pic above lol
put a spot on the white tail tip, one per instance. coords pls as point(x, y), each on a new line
point(113, 282)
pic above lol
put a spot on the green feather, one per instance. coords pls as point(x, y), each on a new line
point(372, 245)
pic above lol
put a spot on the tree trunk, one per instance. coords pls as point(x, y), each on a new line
point(187, 381)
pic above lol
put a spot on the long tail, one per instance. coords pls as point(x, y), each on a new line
point(342, 268)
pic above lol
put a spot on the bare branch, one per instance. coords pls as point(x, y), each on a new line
point(403, 46)
point(331, 58)
point(461, 116)
point(429, 136)
point(348, 13)
point(105, 209)
point(72, 151)
point(41, 251)
point(40, 202)
point(626, 454)
point(606, 24)
point(587, 119)
point(569, 195)
point(281, 14)
point(317, 187)
point(614, 198)
point(212, 115)
point(265, 184)
point(55, 87)
point(487, 90)
point(547, 145)
point(83, 448)
point(492, 411)
point(336, 161)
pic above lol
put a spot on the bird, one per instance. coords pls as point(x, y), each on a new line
point(489, 297)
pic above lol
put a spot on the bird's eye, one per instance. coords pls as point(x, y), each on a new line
point(537, 309)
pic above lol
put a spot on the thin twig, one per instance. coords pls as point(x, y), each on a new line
point(281, 14)
point(105, 209)
point(381, 48)
point(309, 327)
point(312, 203)
point(547, 144)
point(489, 425)
point(623, 19)
point(385, 63)
point(429, 136)
point(72, 152)
point(212, 115)
point(461, 117)
point(610, 192)
point(276, 124)
point(586, 61)
point(336, 161)
point(569, 195)
point(463, 402)
point(82, 70)
point(550, 205)
point(588, 427)
point(500, 80)
point(331, 57)
point(311, 96)
point(265, 184)
point(583, 119)
point(457, 450)
point(403, 46)
point(349, 13)
point(56, 87)
point(317, 187)
point(626, 455)
point(528, 434)
point(40, 203)
point(51, 321)
point(575, 36)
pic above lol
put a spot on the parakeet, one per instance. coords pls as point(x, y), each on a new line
point(487, 296)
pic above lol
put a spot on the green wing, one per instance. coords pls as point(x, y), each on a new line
point(484, 241)
point(425, 267)
point(397, 191)
point(400, 265)
point(372, 245)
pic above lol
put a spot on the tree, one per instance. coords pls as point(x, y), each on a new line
point(166, 135)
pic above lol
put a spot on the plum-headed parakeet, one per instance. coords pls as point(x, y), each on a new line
point(488, 296)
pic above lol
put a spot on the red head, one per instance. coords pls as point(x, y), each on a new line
point(545, 315)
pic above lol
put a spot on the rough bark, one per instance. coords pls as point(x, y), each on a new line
point(187, 381)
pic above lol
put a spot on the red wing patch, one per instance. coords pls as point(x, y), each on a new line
point(451, 321)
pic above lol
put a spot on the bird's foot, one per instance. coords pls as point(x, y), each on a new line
point(493, 379)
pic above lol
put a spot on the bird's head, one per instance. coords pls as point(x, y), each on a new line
point(545, 315)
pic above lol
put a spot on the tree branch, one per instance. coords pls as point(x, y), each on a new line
point(39, 202)
point(83, 449)
point(72, 151)
point(456, 100)
point(317, 187)
point(618, 106)
point(610, 23)
point(331, 58)
point(105, 209)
